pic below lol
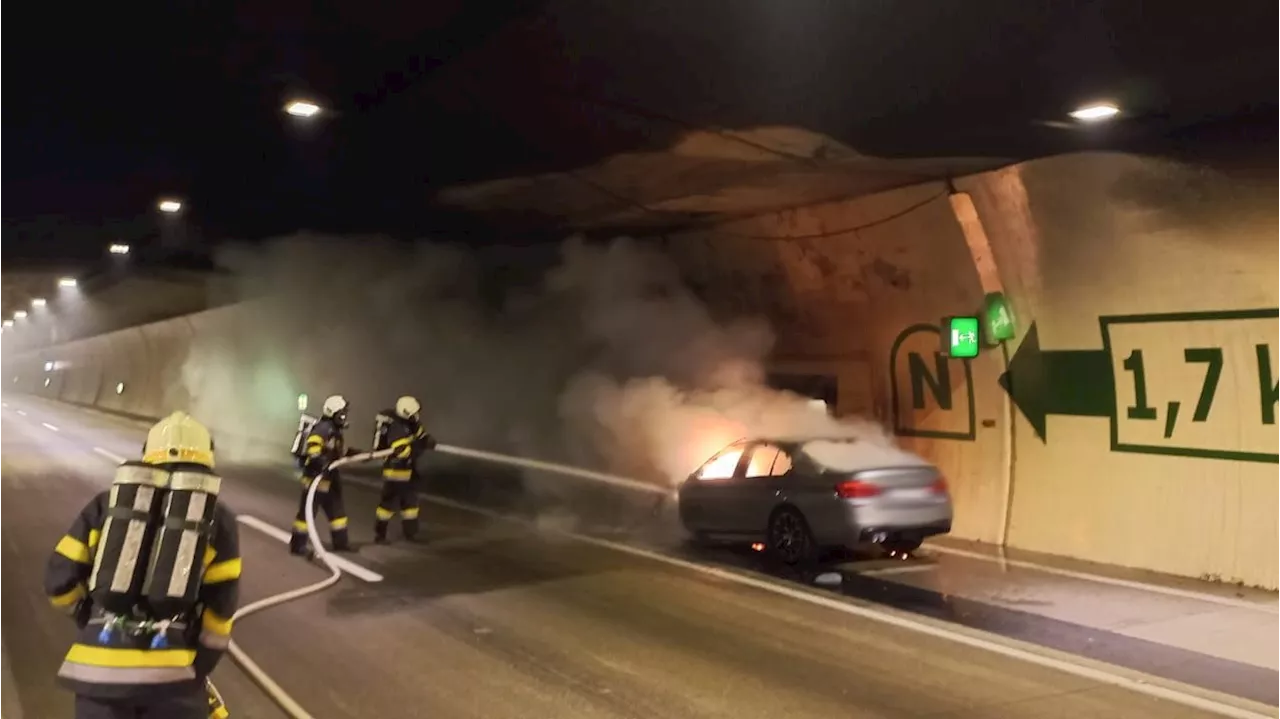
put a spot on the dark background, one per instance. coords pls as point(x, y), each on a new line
point(107, 107)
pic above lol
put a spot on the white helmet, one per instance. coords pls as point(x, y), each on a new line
point(335, 407)
point(178, 438)
point(408, 408)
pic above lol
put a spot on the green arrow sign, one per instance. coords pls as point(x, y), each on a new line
point(1178, 384)
point(1070, 382)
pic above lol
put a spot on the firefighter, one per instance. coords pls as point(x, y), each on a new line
point(404, 434)
point(154, 615)
point(324, 444)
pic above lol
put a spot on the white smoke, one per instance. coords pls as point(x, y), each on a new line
point(598, 355)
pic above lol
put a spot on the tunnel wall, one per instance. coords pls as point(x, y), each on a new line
point(1106, 255)
point(1158, 278)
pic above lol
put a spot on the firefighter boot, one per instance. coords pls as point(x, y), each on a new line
point(380, 531)
point(409, 522)
point(298, 540)
point(338, 532)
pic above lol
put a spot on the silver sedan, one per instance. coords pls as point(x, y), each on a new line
point(797, 496)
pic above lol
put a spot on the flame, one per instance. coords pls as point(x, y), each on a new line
point(721, 467)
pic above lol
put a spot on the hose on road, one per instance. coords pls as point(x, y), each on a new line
point(282, 698)
point(287, 703)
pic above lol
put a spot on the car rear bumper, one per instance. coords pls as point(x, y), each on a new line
point(861, 522)
point(880, 535)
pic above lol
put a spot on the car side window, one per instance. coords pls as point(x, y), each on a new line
point(722, 465)
point(781, 464)
point(765, 458)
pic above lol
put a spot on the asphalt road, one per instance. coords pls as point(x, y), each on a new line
point(494, 619)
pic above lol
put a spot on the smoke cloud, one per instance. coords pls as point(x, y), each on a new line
point(596, 355)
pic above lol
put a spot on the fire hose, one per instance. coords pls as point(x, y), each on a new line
point(277, 694)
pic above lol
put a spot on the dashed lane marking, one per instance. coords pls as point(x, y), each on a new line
point(109, 455)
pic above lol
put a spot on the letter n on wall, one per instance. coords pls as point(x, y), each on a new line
point(929, 399)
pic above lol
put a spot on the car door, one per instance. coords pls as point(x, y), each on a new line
point(756, 490)
point(706, 497)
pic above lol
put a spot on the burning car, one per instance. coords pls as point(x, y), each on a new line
point(798, 496)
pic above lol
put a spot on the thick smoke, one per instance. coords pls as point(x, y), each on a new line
point(596, 355)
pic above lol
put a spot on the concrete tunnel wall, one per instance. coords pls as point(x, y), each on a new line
point(1165, 272)
point(1108, 254)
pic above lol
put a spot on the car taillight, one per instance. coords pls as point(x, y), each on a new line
point(939, 485)
point(856, 489)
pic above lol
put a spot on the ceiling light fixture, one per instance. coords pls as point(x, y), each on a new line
point(302, 108)
point(1095, 113)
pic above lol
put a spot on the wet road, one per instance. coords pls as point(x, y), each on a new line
point(491, 618)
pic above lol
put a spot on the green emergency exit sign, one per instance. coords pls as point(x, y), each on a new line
point(963, 337)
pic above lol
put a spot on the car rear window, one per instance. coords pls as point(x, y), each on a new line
point(851, 455)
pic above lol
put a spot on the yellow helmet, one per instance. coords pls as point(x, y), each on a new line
point(178, 438)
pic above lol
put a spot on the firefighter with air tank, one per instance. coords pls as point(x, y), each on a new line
point(150, 572)
point(317, 445)
point(400, 430)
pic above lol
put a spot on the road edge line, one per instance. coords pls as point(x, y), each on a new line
point(1101, 672)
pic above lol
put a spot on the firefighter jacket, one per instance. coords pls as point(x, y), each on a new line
point(325, 443)
point(407, 440)
point(124, 665)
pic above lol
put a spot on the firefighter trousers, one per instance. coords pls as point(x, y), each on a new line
point(329, 501)
point(192, 704)
point(397, 496)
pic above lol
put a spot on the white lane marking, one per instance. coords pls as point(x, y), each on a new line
point(904, 569)
point(109, 455)
point(21, 413)
point(1270, 607)
point(347, 566)
point(50, 427)
point(1101, 672)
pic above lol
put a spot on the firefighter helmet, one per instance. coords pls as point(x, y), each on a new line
point(336, 408)
point(178, 438)
point(408, 408)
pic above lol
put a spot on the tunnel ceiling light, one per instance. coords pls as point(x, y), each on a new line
point(170, 206)
point(119, 387)
point(1095, 113)
point(118, 248)
point(302, 108)
point(38, 302)
point(46, 381)
point(8, 323)
point(20, 315)
point(48, 366)
point(67, 282)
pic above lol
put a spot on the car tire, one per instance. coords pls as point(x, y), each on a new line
point(789, 538)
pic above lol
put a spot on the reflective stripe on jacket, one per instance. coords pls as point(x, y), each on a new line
point(124, 665)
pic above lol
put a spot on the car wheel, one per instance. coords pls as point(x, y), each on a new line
point(789, 538)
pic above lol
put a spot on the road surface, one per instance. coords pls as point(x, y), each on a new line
point(490, 618)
